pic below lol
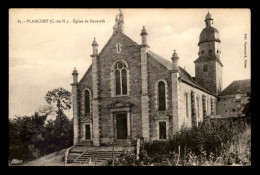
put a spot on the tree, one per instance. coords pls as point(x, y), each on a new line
point(247, 109)
point(46, 110)
point(25, 131)
point(61, 135)
point(61, 97)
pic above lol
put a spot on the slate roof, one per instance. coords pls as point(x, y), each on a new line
point(209, 34)
point(239, 85)
point(185, 76)
point(204, 58)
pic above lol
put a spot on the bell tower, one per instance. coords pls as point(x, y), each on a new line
point(208, 67)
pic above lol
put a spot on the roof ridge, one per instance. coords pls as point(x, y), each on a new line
point(90, 66)
point(182, 69)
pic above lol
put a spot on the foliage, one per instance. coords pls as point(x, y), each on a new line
point(33, 136)
point(215, 142)
point(25, 131)
point(61, 97)
point(247, 109)
point(59, 134)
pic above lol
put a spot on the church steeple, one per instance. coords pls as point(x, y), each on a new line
point(119, 22)
point(208, 67)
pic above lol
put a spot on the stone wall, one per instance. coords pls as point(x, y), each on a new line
point(206, 79)
point(184, 120)
point(213, 46)
point(85, 83)
point(157, 72)
point(219, 85)
point(229, 107)
point(130, 53)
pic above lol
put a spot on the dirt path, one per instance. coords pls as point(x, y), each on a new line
point(53, 159)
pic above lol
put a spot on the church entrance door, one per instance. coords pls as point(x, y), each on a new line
point(121, 125)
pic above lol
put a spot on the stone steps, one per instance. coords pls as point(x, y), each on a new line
point(97, 157)
point(81, 155)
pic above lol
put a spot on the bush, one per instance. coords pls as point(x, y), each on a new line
point(30, 137)
point(216, 142)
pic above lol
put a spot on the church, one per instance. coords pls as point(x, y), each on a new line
point(129, 91)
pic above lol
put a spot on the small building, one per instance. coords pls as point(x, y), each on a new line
point(233, 98)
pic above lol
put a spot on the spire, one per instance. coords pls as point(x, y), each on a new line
point(175, 55)
point(119, 22)
point(95, 47)
point(175, 59)
point(143, 32)
point(75, 76)
point(208, 19)
point(144, 36)
point(94, 43)
point(75, 71)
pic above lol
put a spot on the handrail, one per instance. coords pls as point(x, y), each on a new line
point(79, 156)
point(66, 154)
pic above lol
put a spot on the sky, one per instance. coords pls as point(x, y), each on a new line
point(42, 56)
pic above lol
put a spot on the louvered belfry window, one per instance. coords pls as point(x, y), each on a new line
point(162, 99)
point(121, 78)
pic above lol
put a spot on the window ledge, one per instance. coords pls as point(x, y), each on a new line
point(121, 95)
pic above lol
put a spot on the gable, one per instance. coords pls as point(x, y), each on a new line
point(113, 40)
point(87, 78)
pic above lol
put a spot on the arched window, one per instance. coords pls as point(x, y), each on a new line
point(162, 96)
point(121, 78)
point(186, 104)
point(87, 101)
point(205, 68)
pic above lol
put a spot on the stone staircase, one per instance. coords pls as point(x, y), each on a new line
point(92, 156)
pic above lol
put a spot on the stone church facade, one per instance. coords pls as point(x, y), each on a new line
point(129, 91)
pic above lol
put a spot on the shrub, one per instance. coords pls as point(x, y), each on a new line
point(216, 142)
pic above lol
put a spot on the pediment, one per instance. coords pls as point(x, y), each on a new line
point(87, 120)
point(115, 38)
point(160, 116)
point(119, 104)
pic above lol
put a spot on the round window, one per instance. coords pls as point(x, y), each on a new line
point(120, 65)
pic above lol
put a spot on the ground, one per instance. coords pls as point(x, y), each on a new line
point(53, 159)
